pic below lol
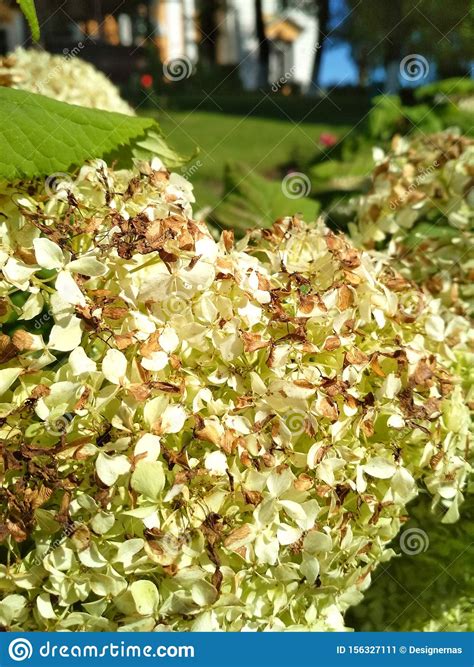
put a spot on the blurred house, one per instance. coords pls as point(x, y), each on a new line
point(291, 36)
point(12, 30)
point(113, 32)
point(120, 36)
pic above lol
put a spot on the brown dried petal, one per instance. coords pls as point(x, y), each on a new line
point(332, 343)
point(253, 342)
point(237, 535)
point(356, 356)
point(345, 297)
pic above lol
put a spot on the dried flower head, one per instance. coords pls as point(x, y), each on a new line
point(421, 204)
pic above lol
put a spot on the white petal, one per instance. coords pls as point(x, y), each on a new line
point(114, 366)
point(380, 468)
point(316, 541)
point(147, 447)
point(68, 289)
point(18, 273)
point(109, 468)
point(173, 419)
point(295, 511)
point(32, 307)
point(169, 340)
point(390, 387)
point(310, 568)
point(88, 266)
point(80, 362)
point(216, 462)
point(65, 338)
point(279, 481)
point(250, 312)
point(207, 247)
point(396, 421)
point(403, 485)
point(155, 362)
point(434, 327)
point(200, 276)
point(288, 534)
point(7, 378)
point(48, 254)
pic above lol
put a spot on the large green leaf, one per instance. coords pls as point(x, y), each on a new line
point(341, 176)
point(152, 144)
point(40, 136)
point(29, 10)
point(254, 201)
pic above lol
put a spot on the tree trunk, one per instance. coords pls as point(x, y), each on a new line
point(392, 47)
point(208, 31)
point(363, 73)
point(322, 7)
point(263, 45)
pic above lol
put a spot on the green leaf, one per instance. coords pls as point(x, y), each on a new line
point(155, 144)
point(254, 201)
point(424, 231)
point(29, 10)
point(151, 144)
point(341, 176)
point(40, 136)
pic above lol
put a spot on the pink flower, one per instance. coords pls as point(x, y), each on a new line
point(146, 80)
point(327, 139)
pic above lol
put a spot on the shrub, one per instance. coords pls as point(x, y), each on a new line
point(421, 201)
point(65, 78)
point(198, 435)
point(389, 116)
point(456, 88)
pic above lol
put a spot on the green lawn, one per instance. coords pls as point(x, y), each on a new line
point(265, 144)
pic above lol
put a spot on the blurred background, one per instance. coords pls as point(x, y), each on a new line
point(265, 88)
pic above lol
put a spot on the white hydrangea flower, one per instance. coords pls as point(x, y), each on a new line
point(421, 205)
point(215, 436)
point(65, 78)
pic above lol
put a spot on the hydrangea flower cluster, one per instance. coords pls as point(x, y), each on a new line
point(65, 78)
point(203, 435)
point(423, 200)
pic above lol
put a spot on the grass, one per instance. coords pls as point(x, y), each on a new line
point(288, 136)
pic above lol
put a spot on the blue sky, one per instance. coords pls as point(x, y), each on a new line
point(337, 66)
